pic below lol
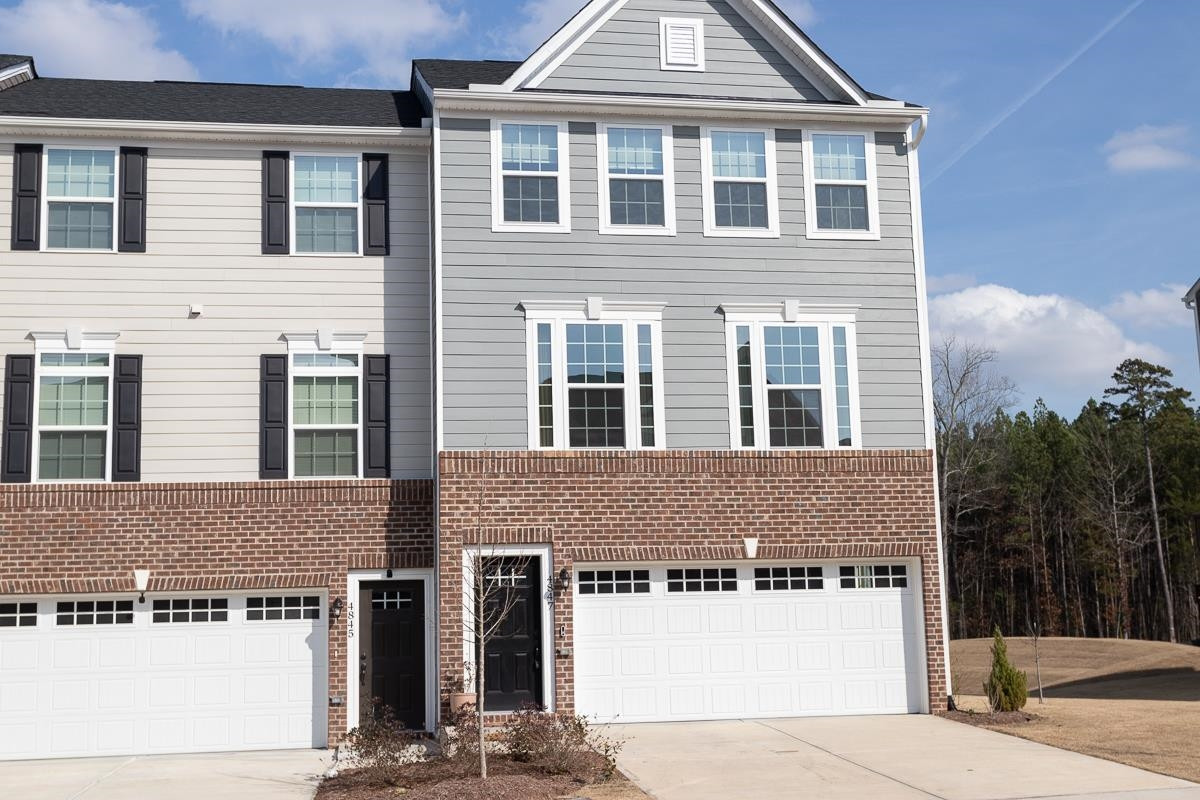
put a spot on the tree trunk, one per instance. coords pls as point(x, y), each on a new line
point(480, 644)
point(1158, 542)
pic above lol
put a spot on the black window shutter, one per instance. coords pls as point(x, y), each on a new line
point(272, 415)
point(127, 418)
point(17, 442)
point(375, 204)
point(377, 458)
point(275, 199)
point(132, 200)
point(27, 202)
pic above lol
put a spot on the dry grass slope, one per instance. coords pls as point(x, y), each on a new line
point(1129, 701)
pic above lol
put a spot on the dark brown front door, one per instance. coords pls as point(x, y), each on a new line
point(393, 668)
point(513, 657)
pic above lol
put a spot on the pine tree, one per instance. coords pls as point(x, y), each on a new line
point(1007, 688)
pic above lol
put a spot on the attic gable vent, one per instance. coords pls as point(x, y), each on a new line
point(681, 44)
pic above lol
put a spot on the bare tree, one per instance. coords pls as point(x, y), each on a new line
point(968, 393)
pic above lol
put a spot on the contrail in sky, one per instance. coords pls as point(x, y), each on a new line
point(974, 141)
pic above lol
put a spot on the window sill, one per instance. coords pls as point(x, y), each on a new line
point(740, 233)
point(846, 236)
point(519, 227)
point(635, 230)
point(102, 250)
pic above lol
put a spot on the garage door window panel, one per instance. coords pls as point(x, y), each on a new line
point(614, 581)
point(289, 608)
point(94, 612)
point(702, 579)
point(184, 609)
point(18, 615)
point(784, 579)
point(873, 576)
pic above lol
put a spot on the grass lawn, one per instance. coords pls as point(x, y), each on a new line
point(1134, 702)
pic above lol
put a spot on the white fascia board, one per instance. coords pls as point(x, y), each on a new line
point(831, 73)
point(23, 68)
point(675, 108)
point(127, 129)
point(565, 41)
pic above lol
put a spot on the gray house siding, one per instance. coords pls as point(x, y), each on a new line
point(623, 56)
point(200, 388)
point(486, 275)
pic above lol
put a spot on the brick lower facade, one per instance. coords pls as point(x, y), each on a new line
point(685, 505)
point(60, 539)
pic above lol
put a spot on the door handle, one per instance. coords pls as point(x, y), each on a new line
point(362, 670)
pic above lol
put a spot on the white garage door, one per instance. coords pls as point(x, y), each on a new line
point(91, 675)
point(713, 642)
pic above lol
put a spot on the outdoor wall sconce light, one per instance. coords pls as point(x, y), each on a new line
point(389, 572)
point(564, 579)
point(335, 609)
point(141, 580)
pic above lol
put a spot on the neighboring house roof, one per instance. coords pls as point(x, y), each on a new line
point(10, 60)
point(445, 73)
point(1193, 294)
point(210, 102)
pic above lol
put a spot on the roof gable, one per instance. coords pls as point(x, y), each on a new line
point(776, 52)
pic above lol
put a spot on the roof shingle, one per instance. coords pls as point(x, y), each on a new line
point(445, 73)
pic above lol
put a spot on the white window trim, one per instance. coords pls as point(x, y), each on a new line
point(72, 341)
point(549, 657)
point(594, 310)
point(709, 195)
point(668, 182)
point(293, 204)
point(810, 188)
point(46, 199)
point(790, 312)
point(563, 175)
point(695, 24)
point(328, 343)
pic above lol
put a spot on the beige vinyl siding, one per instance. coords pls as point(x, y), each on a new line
point(200, 380)
point(623, 56)
point(486, 275)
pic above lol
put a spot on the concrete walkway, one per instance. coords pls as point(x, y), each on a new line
point(902, 757)
point(268, 775)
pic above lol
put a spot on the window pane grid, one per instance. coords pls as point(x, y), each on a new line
point(545, 385)
point(745, 386)
point(80, 173)
point(702, 579)
point(383, 599)
point(873, 576)
point(190, 609)
point(740, 205)
point(94, 612)
point(635, 151)
point(839, 157)
point(614, 581)
point(636, 202)
point(18, 615)
point(646, 384)
point(595, 353)
point(530, 199)
point(268, 609)
point(841, 386)
point(596, 417)
point(325, 400)
point(842, 207)
point(788, 579)
point(739, 154)
point(326, 230)
point(326, 453)
point(326, 179)
point(77, 455)
point(529, 148)
point(79, 226)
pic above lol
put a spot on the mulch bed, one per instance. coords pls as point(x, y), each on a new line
point(988, 718)
point(439, 780)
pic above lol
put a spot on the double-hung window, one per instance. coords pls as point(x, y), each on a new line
point(740, 194)
point(74, 416)
point(595, 379)
point(793, 378)
point(637, 195)
point(841, 197)
point(81, 187)
point(530, 177)
point(326, 414)
point(326, 203)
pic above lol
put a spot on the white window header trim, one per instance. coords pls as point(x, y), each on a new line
point(789, 311)
point(74, 339)
point(324, 339)
point(592, 309)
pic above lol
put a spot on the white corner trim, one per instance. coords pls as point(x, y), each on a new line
point(697, 26)
point(74, 338)
point(592, 309)
point(789, 310)
point(811, 231)
point(324, 339)
point(559, 47)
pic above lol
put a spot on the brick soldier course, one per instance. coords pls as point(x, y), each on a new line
point(623, 506)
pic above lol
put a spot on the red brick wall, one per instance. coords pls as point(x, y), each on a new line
point(269, 535)
point(679, 505)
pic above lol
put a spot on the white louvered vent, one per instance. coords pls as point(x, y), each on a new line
point(681, 43)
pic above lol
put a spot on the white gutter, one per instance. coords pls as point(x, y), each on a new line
point(915, 141)
point(486, 100)
point(226, 131)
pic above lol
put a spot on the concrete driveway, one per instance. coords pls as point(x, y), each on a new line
point(272, 775)
point(903, 757)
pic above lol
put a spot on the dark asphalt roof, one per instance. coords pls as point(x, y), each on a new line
point(210, 102)
point(10, 60)
point(445, 73)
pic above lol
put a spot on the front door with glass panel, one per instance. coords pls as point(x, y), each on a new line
point(392, 654)
point(513, 654)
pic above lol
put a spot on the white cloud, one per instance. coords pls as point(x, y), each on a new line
point(538, 20)
point(801, 11)
point(950, 282)
point(376, 34)
point(1152, 308)
point(1051, 345)
point(1149, 147)
point(90, 39)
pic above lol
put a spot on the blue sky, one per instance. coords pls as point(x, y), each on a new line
point(1060, 171)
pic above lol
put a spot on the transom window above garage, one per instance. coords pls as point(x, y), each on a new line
point(267, 609)
point(614, 581)
point(191, 609)
point(94, 612)
point(873, 576)
point(18, 615)
point(767, 579)
point(793, 376)
point(595, 376)
point(702, 579)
